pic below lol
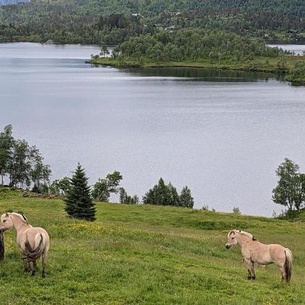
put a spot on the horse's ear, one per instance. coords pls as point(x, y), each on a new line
point(231, 232)
point(6, 214)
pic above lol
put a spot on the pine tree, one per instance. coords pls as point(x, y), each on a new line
point(78, 201)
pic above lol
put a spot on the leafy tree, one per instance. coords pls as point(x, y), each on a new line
point(126, 199)
point(186, 199)
point(104, 187)
point(104, 51)
point(159, 195)
point(19, 167)
point(60, 187)
point(236, 210)
point(78, 200)
point(291, 185)
point(6, 144)
point(162, 194)
point(23, 164)
point(40, 174)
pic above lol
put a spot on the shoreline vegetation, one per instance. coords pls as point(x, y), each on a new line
point(293, 72)
point(252, 66)
point(195, 48)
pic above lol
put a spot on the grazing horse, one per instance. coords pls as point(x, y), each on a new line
point(33, 242)
point(254, 251)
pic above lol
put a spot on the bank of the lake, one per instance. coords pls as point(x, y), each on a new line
point(292, 67)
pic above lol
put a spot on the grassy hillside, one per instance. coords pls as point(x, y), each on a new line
point(147, 255)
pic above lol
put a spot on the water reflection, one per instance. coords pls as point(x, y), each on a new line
point(203, 74)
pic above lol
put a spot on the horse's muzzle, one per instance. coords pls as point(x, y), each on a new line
point(228, 246)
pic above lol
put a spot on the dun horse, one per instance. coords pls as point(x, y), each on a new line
point(255, 252)
point(33, 241)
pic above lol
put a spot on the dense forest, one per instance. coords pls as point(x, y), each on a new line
point(113, 22)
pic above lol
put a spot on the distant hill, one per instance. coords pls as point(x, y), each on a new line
point(114, 21)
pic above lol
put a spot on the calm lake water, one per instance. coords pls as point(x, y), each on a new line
point(222, 135)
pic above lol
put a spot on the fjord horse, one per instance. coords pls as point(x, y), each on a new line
point(254, 251)
point(33, 242)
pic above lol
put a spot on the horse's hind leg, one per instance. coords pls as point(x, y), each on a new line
point(26, 265)
point(43, 264)
point(34, 267)
point(283, 273)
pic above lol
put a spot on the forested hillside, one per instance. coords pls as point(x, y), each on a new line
point(112, 22)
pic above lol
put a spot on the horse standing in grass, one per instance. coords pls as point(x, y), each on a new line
point(33, 242)
point(255, 252)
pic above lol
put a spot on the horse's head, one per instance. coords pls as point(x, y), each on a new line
point(6, 222)
point(233, 235)
point(231, 239)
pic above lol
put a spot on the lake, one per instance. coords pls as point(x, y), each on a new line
point(221, 134)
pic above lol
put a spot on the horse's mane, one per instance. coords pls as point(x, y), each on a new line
point(244, 233)
point(23, 218)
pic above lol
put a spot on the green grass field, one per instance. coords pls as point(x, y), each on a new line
point(147, 255)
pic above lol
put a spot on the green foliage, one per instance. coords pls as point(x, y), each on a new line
point(236, 210)
point(143, 254)
point(20, 163)
point(194, 45)
point(60, 187)
point(78, 200)
point(104, 187)
point(290, 191)
point(162, 194)
point(6, 143)
point(126, 199)
point(186, 199)
point(297, 73)
point(78, 21)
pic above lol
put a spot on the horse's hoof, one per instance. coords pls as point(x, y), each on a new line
point(253, 277)
point(249, 277)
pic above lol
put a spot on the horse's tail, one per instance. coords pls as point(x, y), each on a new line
point(288, 265)
point(33, 253)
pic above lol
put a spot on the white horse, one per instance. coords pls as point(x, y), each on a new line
point(33, 242)
point(254, 251)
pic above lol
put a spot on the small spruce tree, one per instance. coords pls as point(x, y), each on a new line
point(78, 201)
point(186, 199)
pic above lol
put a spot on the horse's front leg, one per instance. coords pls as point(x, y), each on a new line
point(250, 268)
